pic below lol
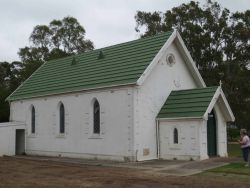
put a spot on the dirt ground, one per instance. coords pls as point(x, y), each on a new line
point(28, 173)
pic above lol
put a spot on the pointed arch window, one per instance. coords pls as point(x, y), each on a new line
point(175, 136)
point(62, 118)
point(96, 117)
point(33, 120)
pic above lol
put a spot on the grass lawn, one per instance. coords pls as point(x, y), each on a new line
point(233, 168)
point(233, 171)
point(234, 150)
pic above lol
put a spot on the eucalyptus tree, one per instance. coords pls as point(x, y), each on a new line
point(219, 42)
point(60, 38)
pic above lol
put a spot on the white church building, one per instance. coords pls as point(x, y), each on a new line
point(135, 101)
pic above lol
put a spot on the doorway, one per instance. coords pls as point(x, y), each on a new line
point(20, 142)
point(211, 135)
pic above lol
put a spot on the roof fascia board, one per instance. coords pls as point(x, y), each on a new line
point(212, 103)
point(189, 61)
point(158, 56)
point(179, 118)
point(225, 106)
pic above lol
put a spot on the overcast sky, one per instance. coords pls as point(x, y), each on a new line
point(106, 22)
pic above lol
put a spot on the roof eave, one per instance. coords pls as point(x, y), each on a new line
point(212, 103)
point(71, 92)
point(227, 106)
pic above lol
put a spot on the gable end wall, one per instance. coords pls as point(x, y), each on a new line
point(150, 97)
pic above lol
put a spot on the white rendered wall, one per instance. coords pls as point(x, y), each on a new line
point(188, 146)
point(8, 137)
point(221, 132)
point(150, 97)
point(203, 140)
point(114, 141)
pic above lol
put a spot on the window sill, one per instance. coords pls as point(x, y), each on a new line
point(96, 136)
point(61, 136)
point(175, 146)
point(32, 135)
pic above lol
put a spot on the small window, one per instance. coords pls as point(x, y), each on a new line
point(62, 119)
point(175, 136)
point(96, 117)
point(33, 120)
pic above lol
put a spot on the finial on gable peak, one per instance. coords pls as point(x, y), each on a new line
point(220, 83)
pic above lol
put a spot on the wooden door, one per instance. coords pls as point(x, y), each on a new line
point(211, 135)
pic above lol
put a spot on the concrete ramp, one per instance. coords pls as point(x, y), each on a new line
point(12, 138)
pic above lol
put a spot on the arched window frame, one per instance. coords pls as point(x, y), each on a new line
point(175, 136)
point(61, 118)
point(96, 117)
point(33, 119)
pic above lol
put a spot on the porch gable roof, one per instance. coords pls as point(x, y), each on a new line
point(195, 103)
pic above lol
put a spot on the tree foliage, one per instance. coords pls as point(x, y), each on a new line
point(60, 38)
point(9, 80)
point(219, 42)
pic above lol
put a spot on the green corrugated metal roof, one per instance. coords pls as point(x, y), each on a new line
point(117, 65)
point(187, 103)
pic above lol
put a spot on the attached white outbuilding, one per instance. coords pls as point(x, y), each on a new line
point(12, 138)
point(192, 124)
point(111, 103)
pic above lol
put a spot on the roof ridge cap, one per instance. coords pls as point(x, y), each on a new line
point(134, 40)
point(114, 45)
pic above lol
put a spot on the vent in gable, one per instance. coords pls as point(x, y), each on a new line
point(73, 61)
point(170, 59)
point(100, 55)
